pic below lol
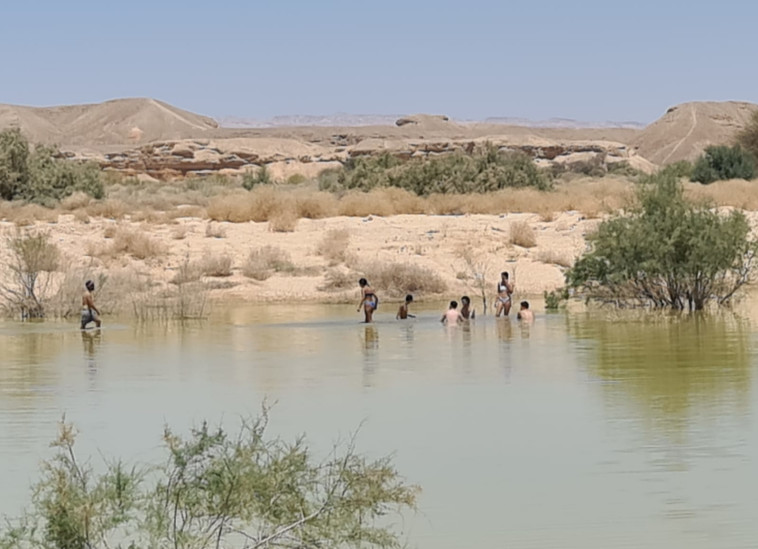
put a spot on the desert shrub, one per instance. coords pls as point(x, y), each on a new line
point(135, 243)
point(40, 174)
point(214, 230)
point(555, 298)
point(333, 246)
point(216, 265)
point(486, 169)
point(263, 262)
point(555, 257)
point(720, 163)
point(33, 259)
point(399, 279)
point(666, 252)
point(315, 205)
point(521, 234)
point(748, 137)
point(283, 221)
point(296, 179)
point(337, 280)
point(259, 177)
point(213, 489)
point(680, 169)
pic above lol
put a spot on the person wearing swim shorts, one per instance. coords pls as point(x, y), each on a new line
point(90, 313)
point(369, 301)
point(504, 293)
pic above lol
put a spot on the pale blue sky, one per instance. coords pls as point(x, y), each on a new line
point(586, 59)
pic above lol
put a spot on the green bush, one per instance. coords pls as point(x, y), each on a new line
point(680, 169)
point(667, 252)
point(719, 163)
point(41, 175)
point(487, 169)
point(261, 177)
point(555, 298)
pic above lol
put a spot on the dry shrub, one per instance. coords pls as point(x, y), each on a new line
point(25, 215)
point(361, 204)
point(109, 209)
point(261, 204)
point(137, 244)
point(521, 234)
point(399, 279)
point(736, 193)
point(283, 221)
point(81, 216)
point(263, 262)
point(110, 231)
point(336, 280)
point(187, 272)
point(555, 257)
point(333, 247)
point(213, 230)
point(76, 201)
point(216, 265)
point(316, 205)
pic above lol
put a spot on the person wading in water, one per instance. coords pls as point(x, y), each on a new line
point(369, 301)
point(90, 313)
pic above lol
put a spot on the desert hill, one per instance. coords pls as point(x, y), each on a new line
point(117, 122)
point(686, 130)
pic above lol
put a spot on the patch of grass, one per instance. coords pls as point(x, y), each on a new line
point(216, 265)
point(284, 221)
point(136, 244)
point(399, 279)
point(263, 262)
point(521, 234)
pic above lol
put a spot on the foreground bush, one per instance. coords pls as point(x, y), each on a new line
point(719, 163)
point(487, 169)
point(214, 489)
point(667, 253)
point(40, 175)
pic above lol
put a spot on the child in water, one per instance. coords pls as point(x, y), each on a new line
point(452, 317)
point(524, 313)
point(402, 312)
point(466, 311)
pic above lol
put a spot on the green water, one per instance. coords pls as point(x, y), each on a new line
point(580, 431)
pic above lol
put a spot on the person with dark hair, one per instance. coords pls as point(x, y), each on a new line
point(402, 312)
point(466, 311)
point(90, 313)
point(452, 317)
point(525, 314)
point(369, 301)
point(504, 293)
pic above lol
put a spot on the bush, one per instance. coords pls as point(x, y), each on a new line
point(555, 298)
point(667, 253)
point(33, 257)
point(399, 279)
point(333, 246)
point(214, 488)
point(487, 169)
point(680, 169)
point(41, 175)
point(748, 137)
point(262, 263)
point(260, 177)
point(521, 234)
point(720, 163)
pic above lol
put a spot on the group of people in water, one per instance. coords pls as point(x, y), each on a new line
point(505, 287)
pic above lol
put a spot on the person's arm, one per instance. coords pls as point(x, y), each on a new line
point(444, 317)
point(399, 312)
point(363, 300)
point(473, 314)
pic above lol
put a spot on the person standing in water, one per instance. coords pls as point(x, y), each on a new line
point(466, 311)
point(90, 313)
point(369, 301)
point(452, 317)
point(402, 312)
point(504, 293)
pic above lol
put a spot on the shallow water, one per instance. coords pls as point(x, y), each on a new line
point(587, 431)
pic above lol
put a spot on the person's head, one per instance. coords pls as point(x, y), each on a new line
point(90, 286)
point(409, 298)
point(453, 304)
point(504, 275)
point(465, 300)
point(524, 305)
point(363, 282)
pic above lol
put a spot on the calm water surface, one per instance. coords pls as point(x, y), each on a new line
point(582, 431)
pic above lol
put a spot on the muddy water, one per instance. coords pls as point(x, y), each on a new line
point(585, 431)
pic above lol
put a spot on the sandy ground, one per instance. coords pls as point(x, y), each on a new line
point(438, 243)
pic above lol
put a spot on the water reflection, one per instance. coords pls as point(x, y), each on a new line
point(370, 347)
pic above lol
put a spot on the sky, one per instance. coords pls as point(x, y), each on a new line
point(470, 59)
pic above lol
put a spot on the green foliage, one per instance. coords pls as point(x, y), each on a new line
point(487, 169)
point(666, 253)
point(40, 175)
point(296, 179)
point(215, 489)
point(555, 298)
point(748, 137)
point(719, 163)
point(261, 177)
point(680, 169)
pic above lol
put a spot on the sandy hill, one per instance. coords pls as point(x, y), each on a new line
point(112, 123)
point(686, 130)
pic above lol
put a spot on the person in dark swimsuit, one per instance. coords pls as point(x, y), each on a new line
point(466, 311)
point(369, 301)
